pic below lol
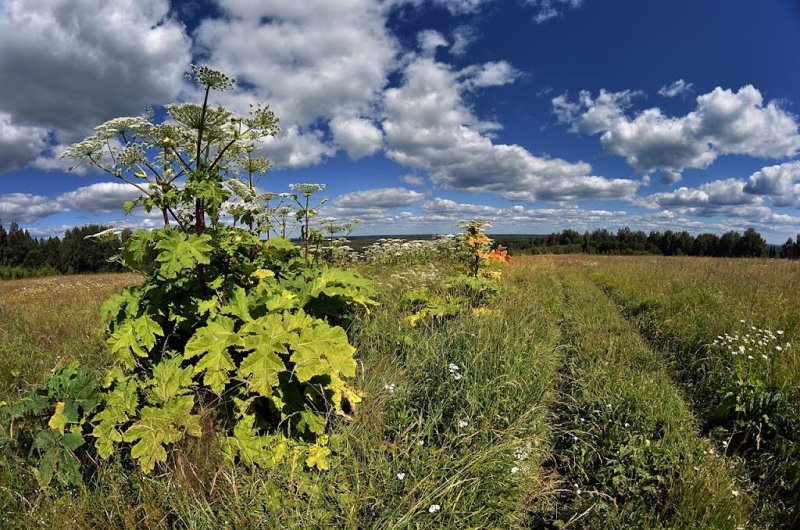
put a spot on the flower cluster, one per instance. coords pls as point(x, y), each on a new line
point(754, 343)
point(413, 278)
point(306, 189)
point(389, 251)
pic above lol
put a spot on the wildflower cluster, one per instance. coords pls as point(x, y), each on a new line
point(419, 276)
point(335, 248)
point(753, 344)
point(389, 251)
point(455, 371)
point(757, 410)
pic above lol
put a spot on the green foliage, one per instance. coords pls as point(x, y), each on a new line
point(476, 289)
point(470, 290)
point(48, 423)
point(134, 338)
point(225, 325)
point(226, 318)
point(159, 426)
point(179, 252)
point(428, 307)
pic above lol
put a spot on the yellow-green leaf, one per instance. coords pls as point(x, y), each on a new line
point(212, 343)
point(58, 421)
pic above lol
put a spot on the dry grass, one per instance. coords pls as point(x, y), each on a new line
point(46, 321)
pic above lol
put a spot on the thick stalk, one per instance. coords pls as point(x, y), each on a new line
point(306, 232)
point(200, 214)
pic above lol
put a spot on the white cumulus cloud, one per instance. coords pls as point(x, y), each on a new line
point(101, 197)
point(678, 88)
point(69, 64)
point(358, 136)
point(26, 207)
point(723, 122)
point(429, 126)
point(780, 182)
point(19, 144)
point(316, 62)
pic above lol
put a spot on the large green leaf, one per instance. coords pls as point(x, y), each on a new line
point(135, 337)
point(238, 305)
point(137, 249)
point(57, 457)
point(212, 343)
point(169, 380)
point(179, 252)
point(120, 403)
point(322, 349)
point(160, 426)
point(251, 447)
point(347, 285)
point(267, 338)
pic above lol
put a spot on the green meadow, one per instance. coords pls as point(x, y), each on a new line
point(588, 392)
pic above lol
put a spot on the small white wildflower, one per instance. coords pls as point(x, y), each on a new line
point(735, 493)
point(457, 376)
point(780, 332)
point(778, 348)
point(453, 367)
point(462, 423)
point(401, 476)
point(574, 438)
point(434, 508)
point(627, 424)
point(514, 469)
point(764, 357)
point(390, 388)
point(749, 356)
point(420, 442)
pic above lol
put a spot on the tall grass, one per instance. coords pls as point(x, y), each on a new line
point(548, 410)
point(44, 322)
point(626, 443)
point(470, 444)
point(682, 306)
point(18, 273)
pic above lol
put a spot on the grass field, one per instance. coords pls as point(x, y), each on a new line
point(590, 394)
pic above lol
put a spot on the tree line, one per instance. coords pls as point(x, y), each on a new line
point(626, 241)
point(22, 255)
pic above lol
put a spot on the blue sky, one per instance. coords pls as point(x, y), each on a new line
point(539, 115)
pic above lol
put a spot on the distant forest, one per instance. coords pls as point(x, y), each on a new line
point(749, 244)
point(22, 255)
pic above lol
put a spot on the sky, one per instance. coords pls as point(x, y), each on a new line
point(538, 115)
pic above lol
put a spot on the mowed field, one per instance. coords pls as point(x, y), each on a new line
point(594, 392)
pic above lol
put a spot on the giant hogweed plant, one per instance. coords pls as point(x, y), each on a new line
point(229, 335)
point(471, 289)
